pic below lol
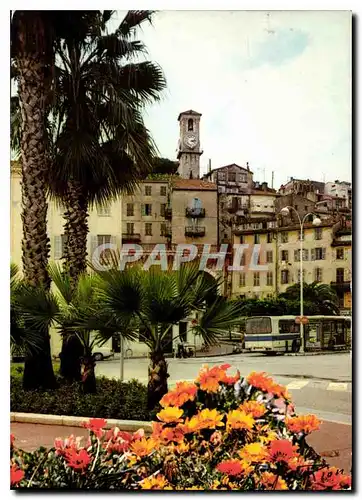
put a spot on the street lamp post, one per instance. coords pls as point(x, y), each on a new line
point(316, 222)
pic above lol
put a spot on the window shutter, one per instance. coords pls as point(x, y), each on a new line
point(296, 255)
point(312, 254)
point(57, 247)
point(323, 254)
point(143, 208)
point(93, 246)
point(305, 254)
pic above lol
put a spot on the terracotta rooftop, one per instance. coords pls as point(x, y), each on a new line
point(265, 193)
point(196, 184)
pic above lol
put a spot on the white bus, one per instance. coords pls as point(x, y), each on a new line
point(273, 334)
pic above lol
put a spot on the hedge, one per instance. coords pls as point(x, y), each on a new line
point(114, 399)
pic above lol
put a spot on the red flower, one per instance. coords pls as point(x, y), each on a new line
point(12, 439)
point(233, 468)
point(330, 478)
point(95, 425)
point(281, 450)
point(16, 475)
point(78, 460)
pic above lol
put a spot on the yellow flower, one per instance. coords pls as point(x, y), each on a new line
point(170, 414)
point(210, 419)
point(238, 419)
point(143, 447)
point(256, 409)
point(182, 447)
point(158, 482)
point(272, 482)
point(264, 434)
point(253, 452)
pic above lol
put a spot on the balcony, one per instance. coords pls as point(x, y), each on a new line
point(195, 212)
point(131, 237)
point(167, 232)
point(168, 213)
point(235, 205)
point(195, 231)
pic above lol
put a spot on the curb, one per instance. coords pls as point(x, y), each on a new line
point(68, 421)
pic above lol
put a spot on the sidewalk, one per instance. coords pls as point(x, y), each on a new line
point(333, 441)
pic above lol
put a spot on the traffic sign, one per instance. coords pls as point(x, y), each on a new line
point(301, 319)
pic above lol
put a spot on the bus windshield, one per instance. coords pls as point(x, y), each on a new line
point(258, 325)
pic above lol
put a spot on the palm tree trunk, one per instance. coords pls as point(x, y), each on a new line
point(88, 375)
point(75, 263)
point(75, 231)
point(157, 379)
point(33, 47)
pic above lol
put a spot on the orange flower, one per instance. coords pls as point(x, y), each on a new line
point(183, 392)
point(170, 414)
point(298, 462)
point(226, 379)
point(78, 460)
point(303, 423)
point(143, 447)
point(234, 468)
point(172, 434)
point(16, 475)
point(266, 384)
point(281, 450)
point(209, 378)
point(254, 452)
point(330, 478)
point(253, 407)
point(158, 482)
point(190, 425)
point(238, 419)
point(209, 419)
point(272, 482)
point(157, 429)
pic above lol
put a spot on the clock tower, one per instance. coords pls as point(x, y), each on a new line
point(189, 145)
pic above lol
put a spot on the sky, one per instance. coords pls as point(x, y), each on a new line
point(274, 89)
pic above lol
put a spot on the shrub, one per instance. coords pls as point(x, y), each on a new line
point(219, 433)
point(114, 399)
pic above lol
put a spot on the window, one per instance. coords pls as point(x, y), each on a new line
point(162, 209)
point(190, 125)
point(258, 325)
point(256, 238)
point(269, 256)
point(243, 178)
point(147, 209)
point(318, 233)
point(306, 208)
point(298, 275)
point(340, 275)
point(103, 239)
point(242, 279)
point(59, 246)
point(130, 210)
point(296, 207)
point(297, 254)
point(148, 229)
point(284, 255)
point(163, 191)
point(318, 275)
point(284, 237)
point(148, 190)
point(163, 229)
point(269, 278)
point(269, 238)
point(221, 176)
point(285, 276)
point(256, 279)
point(340, 253)
point(318, 253)
point(104, 211)
point(288, 326)
point(130, 228)
point(242, 239)
point(232, 177)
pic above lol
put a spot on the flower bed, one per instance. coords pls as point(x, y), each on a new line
point(220, 433)
point(114, 399)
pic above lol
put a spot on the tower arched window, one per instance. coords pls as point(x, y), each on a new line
point(190, 125)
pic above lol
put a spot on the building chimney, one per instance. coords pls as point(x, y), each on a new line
point(209, 165)
point(247, 166)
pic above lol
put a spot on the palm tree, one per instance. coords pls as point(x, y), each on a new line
point(33, 37)
point(144, 305)
point(320, 296)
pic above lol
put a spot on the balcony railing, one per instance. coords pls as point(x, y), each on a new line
point(195, 212)
point(131, 237)
point(195, 231)
point(340, 284)
point(168, 213)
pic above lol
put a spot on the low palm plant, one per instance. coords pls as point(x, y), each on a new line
point(145, 305)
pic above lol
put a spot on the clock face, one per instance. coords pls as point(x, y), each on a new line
point(190, 141)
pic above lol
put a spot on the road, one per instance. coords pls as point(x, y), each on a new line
point(319, 384)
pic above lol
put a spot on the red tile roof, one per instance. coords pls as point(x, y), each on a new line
point(195, 184)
